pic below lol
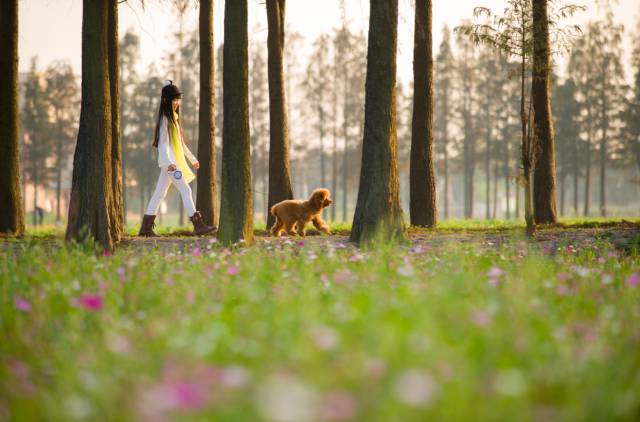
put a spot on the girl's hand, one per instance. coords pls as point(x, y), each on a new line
point(196, 165)
point(172, 167)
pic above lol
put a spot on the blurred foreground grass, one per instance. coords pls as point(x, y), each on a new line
point(290, 331)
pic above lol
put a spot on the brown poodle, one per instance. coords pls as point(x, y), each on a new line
point(297, 212)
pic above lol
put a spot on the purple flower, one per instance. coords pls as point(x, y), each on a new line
point(481, 318)
point(187, 395)
point(494, 272)
point(90, 302)
point(232, 270)
point(197, 252)
point(21, 304)
point(633, 280)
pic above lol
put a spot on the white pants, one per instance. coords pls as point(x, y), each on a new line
point(164, 181)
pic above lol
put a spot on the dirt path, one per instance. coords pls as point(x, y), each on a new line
point(621, 236)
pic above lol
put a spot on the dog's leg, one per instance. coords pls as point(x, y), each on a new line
point(289, 228)
point(276, 229)
point(320, 224)
point(301, 230)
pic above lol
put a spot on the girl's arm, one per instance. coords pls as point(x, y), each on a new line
point(165, 155)
point(187, 153)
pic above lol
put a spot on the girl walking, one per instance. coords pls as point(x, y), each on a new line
point(174, 169)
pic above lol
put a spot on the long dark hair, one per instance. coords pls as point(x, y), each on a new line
point(169, 92)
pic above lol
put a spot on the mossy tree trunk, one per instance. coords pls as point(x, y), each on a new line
point(378, 214)
point(279, 174)
point(544, 188)
point(11, 211)
point(422, 183)
point(236, 209)
point(207, 173)
point(93, 210)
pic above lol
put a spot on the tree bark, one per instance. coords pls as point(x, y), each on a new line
point(445, 146)
point(236, 209)
point(587, 172)
point(58, 168)
point(603, 147)
point(11, 211)
point(113, 51)
point(91, 206)
point(422, 184)
point(279, 174)
point(544, 190)
point(206, 181)
point(378, 206)
point(334, 153)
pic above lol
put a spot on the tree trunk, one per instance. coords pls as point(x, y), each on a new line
point(236, 210)
point(91, 205)
point(334, 154)
point(279, 175)
point(422, 184)
point(507, 190)
point(345, 121)
point(603, 154)
point(495, 192)
point(323, 179)
point(113, 51)
point(445, 146)
point(207, 173)
point(35, 199)
point(378, 207)
point(587, 173)
point(487, 167)
point(562, 195)
point(575, 177)
point(12, 210)
point(545, 168)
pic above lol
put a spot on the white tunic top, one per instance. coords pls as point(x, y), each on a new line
point(165, 152)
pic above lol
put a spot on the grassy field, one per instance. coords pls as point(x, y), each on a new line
point(292, 330)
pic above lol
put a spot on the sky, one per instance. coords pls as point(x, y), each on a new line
point(51, 29)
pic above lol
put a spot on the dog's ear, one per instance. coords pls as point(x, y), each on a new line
point(317, 199)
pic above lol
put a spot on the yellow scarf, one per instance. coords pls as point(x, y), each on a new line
point(178, 152)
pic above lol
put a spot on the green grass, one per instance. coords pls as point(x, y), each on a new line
point(286, 331)
point(343, 228)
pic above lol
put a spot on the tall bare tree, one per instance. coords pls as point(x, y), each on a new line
point(378, 211)
point(206, 182)
point(236, 209)
point(93, 209)
point(279, 175)
point(11, 211)
point(422, 202)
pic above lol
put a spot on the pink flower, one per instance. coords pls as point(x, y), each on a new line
point(300, 243)
point(232, 270)
point(633, 280)
point(21, 304)
point(187, 395)
point(562, 276)
point(481, 318)
point(197, 252)
point(90, 302)
point(494, 272)
point(356, 257)
point(337, 406)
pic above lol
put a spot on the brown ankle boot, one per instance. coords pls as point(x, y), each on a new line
point(199, 227)
point(146, 229)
